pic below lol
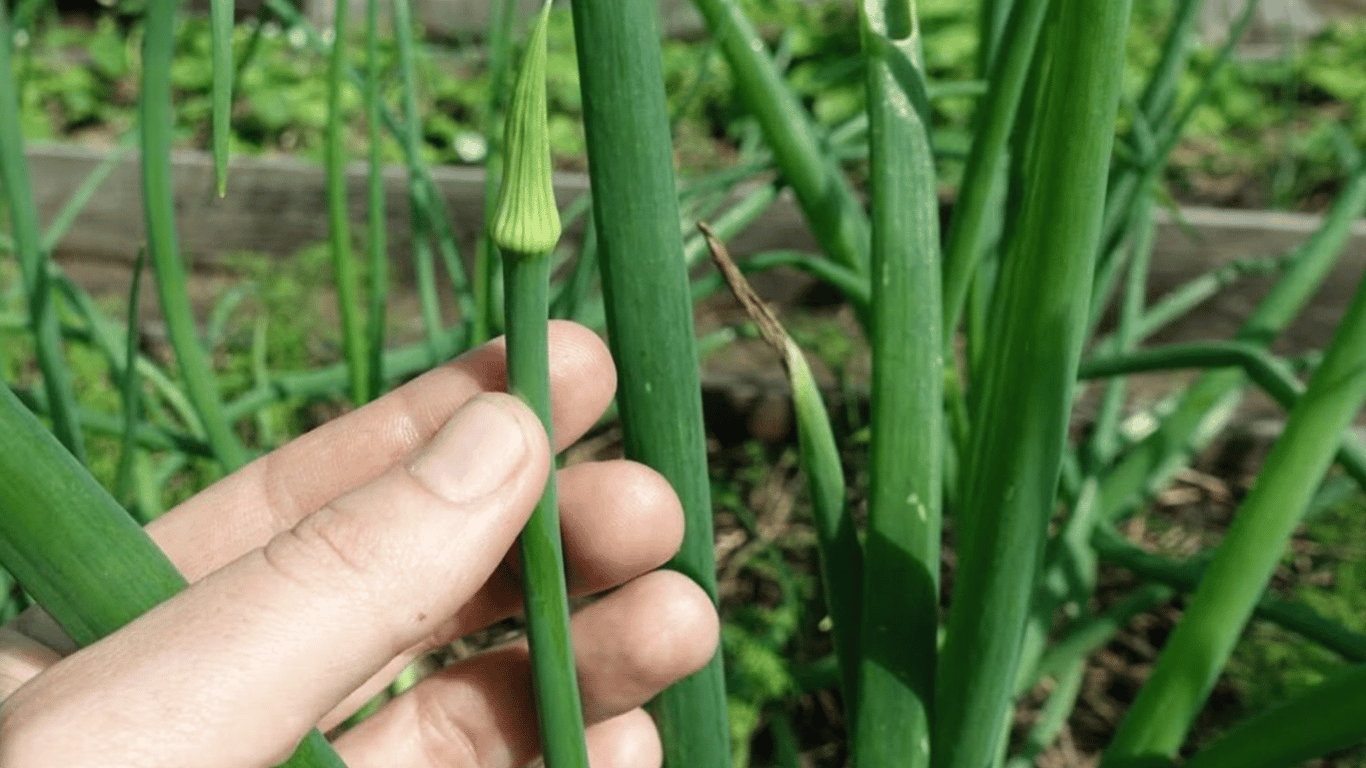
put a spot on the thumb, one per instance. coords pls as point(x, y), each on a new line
point(236, 669)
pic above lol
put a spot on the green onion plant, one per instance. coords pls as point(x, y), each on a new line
point(964, 585)
point(897, 639)
point(649, 317)
point(526, 228)
point(343, 259)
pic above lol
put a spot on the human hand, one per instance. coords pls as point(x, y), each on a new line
point(320, 571)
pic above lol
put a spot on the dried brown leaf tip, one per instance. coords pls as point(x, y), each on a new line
point(769, 328)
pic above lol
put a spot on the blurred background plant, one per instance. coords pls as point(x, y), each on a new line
point(1262, 138)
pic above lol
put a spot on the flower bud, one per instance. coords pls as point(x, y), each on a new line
point(526, 220)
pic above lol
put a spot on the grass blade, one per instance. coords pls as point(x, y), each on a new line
point(418, 192)
point(376, 238)
point(398, 364)
point(1184, 298)
point(1054, 715)
point(221, 29)
point(425, 197)
point(74, 204)
point(33, 258)
point(1159, 95)
point(339, 229)
point(107, 337)
point(1130, 184)
point(826, 198)
point(148, 436)
point(159, 206)
point(1015, 452)
point(484, 319)
point(1208, 403)
point(129, 387)
point(986, 164)
point(649, 316)
point(1185, 575)
point(1268, 372)
point(1199, 646)
point(901, 564)
point(1093, 632)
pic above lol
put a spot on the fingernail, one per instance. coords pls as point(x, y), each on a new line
point(474, 454)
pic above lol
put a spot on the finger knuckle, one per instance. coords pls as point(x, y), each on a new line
point(444, 738)
point(325, 550)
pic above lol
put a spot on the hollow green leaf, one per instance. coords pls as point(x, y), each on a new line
point(986, 160)
point(1019, 427)
point(901, 559)
point(649, 316)
point(841, 554)
point(80, 555)
point(376, 239)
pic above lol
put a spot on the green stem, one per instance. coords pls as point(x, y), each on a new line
point(1020, 422)
point(1089, 634)
point(1199, 646)
point(984, 174)
point(33, 258)
point(649, 317)
point(1181, 300)
point(1129, 182)
point(1208, 404)
point(825, 195)
point(1185, 575)
point(527, 277)
point(343, 260)
point(376, 237)
point(418, 192)
point(221, 28)
point(129, 389)
point(159, 205)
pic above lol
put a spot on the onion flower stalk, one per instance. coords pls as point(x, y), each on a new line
point(526, 227)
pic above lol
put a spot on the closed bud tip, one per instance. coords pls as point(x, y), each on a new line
point(526, 220)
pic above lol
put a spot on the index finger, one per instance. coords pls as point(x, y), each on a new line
point(243, 511)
